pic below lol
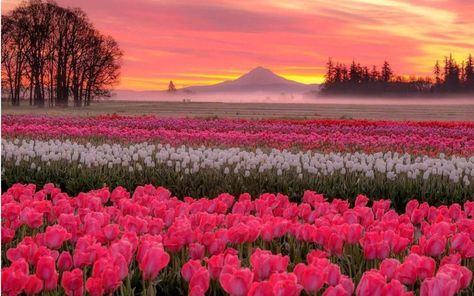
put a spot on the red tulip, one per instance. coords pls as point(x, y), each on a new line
point(407, 273)
point(65, 261)
point(389, 267)
point(13, 281)
point(55, 236)
point(425, 267)
point(7, 234)
point(154, 260)
point(46, 268)
point(335, 244)
point(375, 246)
point(21, 265)
point(110, 279)
point(336, 291)
point(353, 233)
point(361, 200)
point(286, 286)
point(111, 231)
point(333, 274)
point(435, 246)
point(189, 268)
point(94, 286)
point(399, 243)
point(34, 285)
point(312, 278)
point(238, 234)
point(10, 211)
point(460, 274)
point(264, 288)
point(264, 263)
point(461, 242)
point(451, 259)
point(236, 281)
point(216, 263)
point(394, 288)
point(196, 251)
point(347, 284)
point(200, 279)
point(371, 284)
point(72, 282)
point(441, 284)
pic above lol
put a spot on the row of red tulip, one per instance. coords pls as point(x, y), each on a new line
point(326, 135)
point(104, 242)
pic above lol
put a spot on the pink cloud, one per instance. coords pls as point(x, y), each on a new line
point(209, 40)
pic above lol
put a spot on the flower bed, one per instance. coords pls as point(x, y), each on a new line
point(150, 242)
point(419, 138)
point(207, 171)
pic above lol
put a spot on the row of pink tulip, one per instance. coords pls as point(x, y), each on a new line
point(115, 242)
point(326, 135)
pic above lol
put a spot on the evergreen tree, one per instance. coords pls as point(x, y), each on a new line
point(374, 74)
point(354, 73)
point(452, 74)
point(330, 74)
point(469, 73)
point(387, 73)
point(171, 87)
point(437, 73)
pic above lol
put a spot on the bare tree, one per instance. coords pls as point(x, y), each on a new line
point(54, 54)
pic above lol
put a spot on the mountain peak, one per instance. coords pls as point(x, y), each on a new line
point(257, 79)
point(261, 76)
point(261, 69)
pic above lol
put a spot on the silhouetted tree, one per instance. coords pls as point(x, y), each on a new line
point(451, 76)
point(55, 53)
point(330, 73)
point(437, 73)
point(469, 73)
point(374, 74)
point(171, 87)
point(359, 80)
point(387, 72)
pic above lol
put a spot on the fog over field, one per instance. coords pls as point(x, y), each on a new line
point(284, 97)
point(261, 85)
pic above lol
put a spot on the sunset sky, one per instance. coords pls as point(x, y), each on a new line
point(205, 42)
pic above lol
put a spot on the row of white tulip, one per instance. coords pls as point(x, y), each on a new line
point(191, 160)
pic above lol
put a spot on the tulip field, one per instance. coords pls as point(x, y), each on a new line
point(429, 161)
point(142, 205)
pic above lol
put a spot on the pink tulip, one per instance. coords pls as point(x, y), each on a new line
point(235, 281)
point(200, 279)
point(33, 286)
point(46, 271)
point(111, 231)
point(189, 268)
point(440, 285)
point(435, 246)
point(311, 278)
point(94, 286)
point(65, 261)
point(72, 282)
point(389, 267)
point(372, 283)
point(55, 236)
point(154, 260)
point(264, 288)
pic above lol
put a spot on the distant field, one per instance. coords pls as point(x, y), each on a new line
point(260, 110)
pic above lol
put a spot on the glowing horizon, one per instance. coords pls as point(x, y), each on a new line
point(206, 42)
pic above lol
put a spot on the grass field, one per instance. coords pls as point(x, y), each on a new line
point(260, 110)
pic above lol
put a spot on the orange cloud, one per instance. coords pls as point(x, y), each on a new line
point(203, 42)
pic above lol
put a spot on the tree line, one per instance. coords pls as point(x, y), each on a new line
point(52, 54)
point(450, 78)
